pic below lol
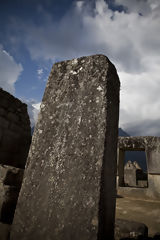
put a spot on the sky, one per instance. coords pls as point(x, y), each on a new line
point(35, 34)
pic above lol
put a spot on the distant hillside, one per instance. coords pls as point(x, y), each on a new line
point(122, 133)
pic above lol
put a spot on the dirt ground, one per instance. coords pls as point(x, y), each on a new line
point(144, 211)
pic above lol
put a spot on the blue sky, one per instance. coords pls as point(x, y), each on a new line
point(36, 33)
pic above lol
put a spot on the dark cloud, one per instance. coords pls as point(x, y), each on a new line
point(144, 128)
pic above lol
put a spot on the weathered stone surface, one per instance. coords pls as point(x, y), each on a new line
point(129, 229)
point(4, 231)
point(130, 174)
point(69, 182)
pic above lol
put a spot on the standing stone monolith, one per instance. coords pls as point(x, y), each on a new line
point(69, 185)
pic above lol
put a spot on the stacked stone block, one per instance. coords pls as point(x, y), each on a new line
point(151, 146)
point(10, 183)
point(15, 132)
point(15, 138)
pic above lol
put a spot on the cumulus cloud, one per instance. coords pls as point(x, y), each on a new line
point(36, 110)
point(10, 71)
point(146, 127)
point(143, 7)
point(33, 110)
point(140, 101)
point(130, 38)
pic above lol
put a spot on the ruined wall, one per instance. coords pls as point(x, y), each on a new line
point(15, 138)
point(15, 132)
point(151, 146)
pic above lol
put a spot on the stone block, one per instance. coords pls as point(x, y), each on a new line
point(8, 201)
point(153, 157)
point(16, 127)
point(6, 157)
point(69, 185)
point(11, 176)
point(4, 122)
point(4, 231)
point(1, 134)
point(4, 103)
point(154, 186)
point(10, 141)
point(14, 149)
point(13, 117)
point(130, 177)
point(125, 229)
point(19, 159)
point(142, 183)
point(2, 111)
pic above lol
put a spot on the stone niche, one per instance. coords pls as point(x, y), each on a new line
point(15, 138)
point(69, 186)
point(151, 146)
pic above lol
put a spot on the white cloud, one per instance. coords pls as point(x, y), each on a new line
point(40, 72)
point(10, 71)
point(79, 5)
point(144, 7)
point(36, 109)
point(129, 38)
point(33, 110)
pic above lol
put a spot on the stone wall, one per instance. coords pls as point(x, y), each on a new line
point(151, 146)
point(15, 138)
point(15, 132)
point(134, 175)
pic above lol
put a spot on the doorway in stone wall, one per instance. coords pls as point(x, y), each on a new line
point(135, 169)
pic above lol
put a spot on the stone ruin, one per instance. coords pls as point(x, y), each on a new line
point(69, 186)
point(134, 176)
point(151, 146)
point(15, 138)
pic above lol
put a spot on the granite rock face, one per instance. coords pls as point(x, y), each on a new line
point(69, 183)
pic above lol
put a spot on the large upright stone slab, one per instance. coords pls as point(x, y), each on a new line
point(69, 185)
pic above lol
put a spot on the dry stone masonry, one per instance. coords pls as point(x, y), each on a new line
point(15, 138)
point(151, 146)
point(15, 132)
point(69, 185)
point(134, 175)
